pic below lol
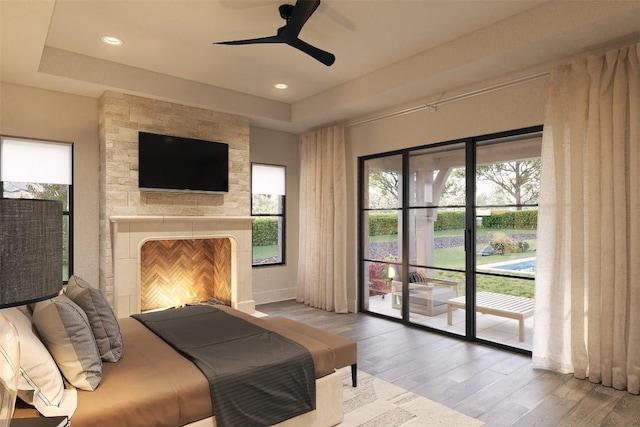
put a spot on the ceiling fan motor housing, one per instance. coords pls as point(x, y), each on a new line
point(285, 11)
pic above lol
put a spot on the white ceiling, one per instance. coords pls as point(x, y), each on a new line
point(387, 52)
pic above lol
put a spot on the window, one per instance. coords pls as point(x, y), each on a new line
point(268, 205)
point(41, 170)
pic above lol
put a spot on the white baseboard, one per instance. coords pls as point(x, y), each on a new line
point(274, 296)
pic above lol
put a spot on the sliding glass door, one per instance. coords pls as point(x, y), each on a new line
point(507, 182)
point(443, 229)
point(381, 229)
point(436, 232)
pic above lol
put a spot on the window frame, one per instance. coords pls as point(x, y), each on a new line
point(66, 213)
point(470, 270)
point(282, 217)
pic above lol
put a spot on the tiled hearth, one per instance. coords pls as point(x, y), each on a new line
point(130, 233)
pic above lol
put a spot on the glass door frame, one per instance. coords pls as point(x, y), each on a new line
point(469, 232)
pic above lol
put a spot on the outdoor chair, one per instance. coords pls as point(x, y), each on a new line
point(427, 295)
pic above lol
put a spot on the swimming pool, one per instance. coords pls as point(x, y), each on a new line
point(524, 265)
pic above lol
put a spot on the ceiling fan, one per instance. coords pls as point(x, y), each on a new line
point(296, 16)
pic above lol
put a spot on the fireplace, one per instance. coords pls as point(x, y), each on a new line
point(174, 272)
point(163, 261)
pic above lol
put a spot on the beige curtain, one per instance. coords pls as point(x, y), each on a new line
point(587, 315)
point(323, 215)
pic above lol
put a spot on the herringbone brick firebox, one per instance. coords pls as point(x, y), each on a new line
point(224, 239)
point(176, 272)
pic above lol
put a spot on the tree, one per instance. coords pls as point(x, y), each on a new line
point(266, 204)
point(454, 192)
point(49, 192)
point(518, 181)
point(58, 192)
point(384, 186)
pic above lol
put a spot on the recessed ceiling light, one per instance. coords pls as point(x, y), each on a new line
point(112, 40)
point(281, 86)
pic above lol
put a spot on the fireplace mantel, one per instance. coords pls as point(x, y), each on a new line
point(129, 233)
point(178, 218)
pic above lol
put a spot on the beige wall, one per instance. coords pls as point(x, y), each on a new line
point(277, 283)
point(34, 113)
point(512, 108)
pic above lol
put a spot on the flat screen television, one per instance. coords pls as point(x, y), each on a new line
point(182, 164)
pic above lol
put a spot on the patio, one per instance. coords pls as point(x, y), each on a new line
point(489, 327)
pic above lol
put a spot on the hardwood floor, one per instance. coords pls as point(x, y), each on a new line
point(498, 387)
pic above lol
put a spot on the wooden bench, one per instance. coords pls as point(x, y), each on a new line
point(508, 306)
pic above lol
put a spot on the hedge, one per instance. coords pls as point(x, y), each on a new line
point(383, 224)
point(386, 224)
point(265, 232)
point(450, 220)
point(526, 219)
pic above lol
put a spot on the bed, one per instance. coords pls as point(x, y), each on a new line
point(154, 385)
point(180, 392)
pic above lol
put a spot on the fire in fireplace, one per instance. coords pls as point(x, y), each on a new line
point(177, 272)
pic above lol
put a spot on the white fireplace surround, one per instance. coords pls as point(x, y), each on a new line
point(129, 233)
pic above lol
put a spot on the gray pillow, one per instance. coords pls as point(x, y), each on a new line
point(423, 277)
point(104, 324)
point(414, 277)
point(64, 329)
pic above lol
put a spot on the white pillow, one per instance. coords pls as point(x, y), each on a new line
point(40, 383)
point(104, 324)
point(65, 331)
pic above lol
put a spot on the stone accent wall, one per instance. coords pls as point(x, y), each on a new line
point(121, 118)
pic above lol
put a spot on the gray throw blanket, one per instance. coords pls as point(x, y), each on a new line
point(256, 377)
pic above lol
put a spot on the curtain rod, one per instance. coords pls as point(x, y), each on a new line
point(433, 106)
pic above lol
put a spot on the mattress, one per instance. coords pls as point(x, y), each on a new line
point(256, 376)
point(153, 385)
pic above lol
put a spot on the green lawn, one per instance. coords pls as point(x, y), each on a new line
point(454, 258)
point(500, 285)
point(484, 231)
point(384, 238)
point(443, 233)
point(262, 252)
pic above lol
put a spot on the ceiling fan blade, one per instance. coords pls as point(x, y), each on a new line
point(302, 11)
point(296, 17)
point(321, 55)
point(270, 39)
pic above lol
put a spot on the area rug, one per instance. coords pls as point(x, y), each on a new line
point(377, 403)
